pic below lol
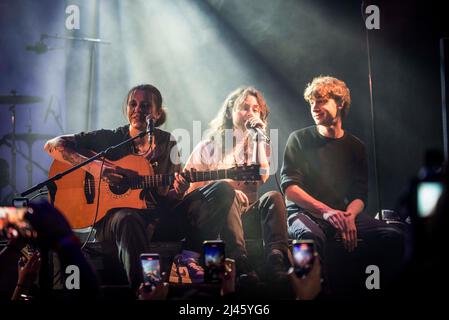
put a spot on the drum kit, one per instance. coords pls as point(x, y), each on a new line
point(10, 139)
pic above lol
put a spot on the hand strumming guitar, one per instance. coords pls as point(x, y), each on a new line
point(110, 174)
point(180, 185)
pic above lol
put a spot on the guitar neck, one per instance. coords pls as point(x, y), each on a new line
point(161, 180)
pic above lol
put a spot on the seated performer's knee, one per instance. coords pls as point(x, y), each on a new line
point(273, 198)
point(224, 190)
point(319, 241)
point(392, 236)
point(124, 218)
point(272, 208)
point(302, 234)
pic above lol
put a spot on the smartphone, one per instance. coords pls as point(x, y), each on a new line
point(13, 222)
point(214, 261)
point(427, 195)
point(20, 202)
point(304, 253)
point(12, 214)
point(151, 269)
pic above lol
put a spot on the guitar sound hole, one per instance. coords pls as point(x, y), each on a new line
point(120, 188)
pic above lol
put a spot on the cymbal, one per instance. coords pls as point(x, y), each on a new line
point(12, 100)
point(29, 137)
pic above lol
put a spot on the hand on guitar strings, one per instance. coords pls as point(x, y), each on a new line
point(180, 185)
point(111, 176)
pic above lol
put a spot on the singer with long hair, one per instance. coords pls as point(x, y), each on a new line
point(232, 141)
point(170, 215)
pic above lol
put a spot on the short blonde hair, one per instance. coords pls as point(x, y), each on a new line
point(325, 88)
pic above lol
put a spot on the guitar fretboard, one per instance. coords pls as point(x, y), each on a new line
point(243, 174)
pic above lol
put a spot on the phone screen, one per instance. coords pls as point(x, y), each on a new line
point(151, 269)
point(303, 256)
point(13, 223)
point(428, 193)
point(12, 214)
point(214, 261)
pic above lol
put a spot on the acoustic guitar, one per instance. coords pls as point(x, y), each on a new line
point(76, 193)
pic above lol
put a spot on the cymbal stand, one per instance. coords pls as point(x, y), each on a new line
point(12, 109)
point(29, 166)
point(3, 140)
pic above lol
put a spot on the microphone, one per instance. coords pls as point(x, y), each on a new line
point(150, 125)
point(257, 129)
point(150, 128)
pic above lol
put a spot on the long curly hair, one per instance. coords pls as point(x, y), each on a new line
point(235, 100)
point(325, 87)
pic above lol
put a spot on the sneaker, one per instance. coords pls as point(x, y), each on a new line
point(186, 270)
point(277, 266)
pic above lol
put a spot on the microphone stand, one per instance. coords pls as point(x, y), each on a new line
point(373, 119)
point(3, 140)
point(96, 40)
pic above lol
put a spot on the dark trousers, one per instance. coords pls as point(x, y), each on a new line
point(381, 243)
point(267, 214)
point(200, 216)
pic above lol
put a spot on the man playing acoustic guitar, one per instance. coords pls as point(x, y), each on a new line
point(198, 216)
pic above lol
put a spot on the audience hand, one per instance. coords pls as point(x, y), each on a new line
point(158, 292)
point(29, 270)
point(228, 283)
